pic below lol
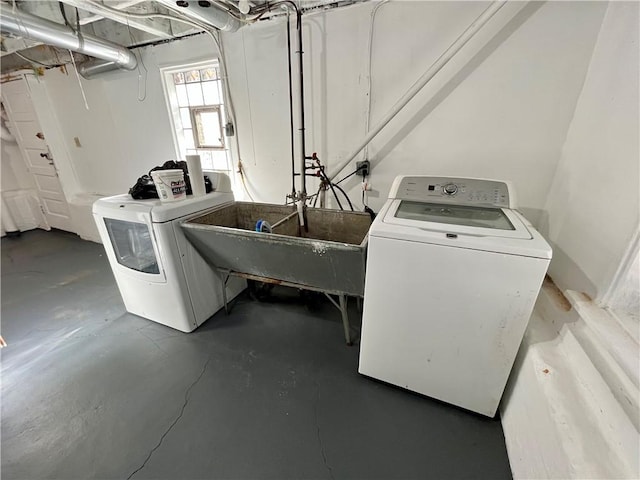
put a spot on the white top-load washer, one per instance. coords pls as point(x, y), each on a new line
point(453, 272)
point(161, 277)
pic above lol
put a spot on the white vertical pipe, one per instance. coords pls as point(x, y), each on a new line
point(449, 53)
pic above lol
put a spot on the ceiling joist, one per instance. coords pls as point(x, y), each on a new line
point(156, 27)
point(118, 6)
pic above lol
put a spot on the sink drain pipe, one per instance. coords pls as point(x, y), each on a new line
point(449, 53)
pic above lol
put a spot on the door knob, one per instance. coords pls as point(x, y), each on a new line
point(40, 135)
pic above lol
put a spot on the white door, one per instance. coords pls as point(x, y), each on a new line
point(24, 125)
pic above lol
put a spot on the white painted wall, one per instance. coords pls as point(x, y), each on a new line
point(501, 109)
point(593, 207)
point(121, 137)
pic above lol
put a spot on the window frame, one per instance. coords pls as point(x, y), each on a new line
point(173, 110)
point(193, 111)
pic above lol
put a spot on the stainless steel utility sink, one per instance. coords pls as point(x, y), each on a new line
point(328, 255)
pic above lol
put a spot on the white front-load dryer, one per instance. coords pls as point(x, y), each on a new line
point(453, 272)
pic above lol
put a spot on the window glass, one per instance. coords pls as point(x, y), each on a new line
point(185, 116)
point(211, 94)
point(192, 76)
point(194, 90)
point(178, 78)
point(208, 127)
point(188, 139)
point(454, 215)
point(219, 160)
point(181, 93)
point(208, 74)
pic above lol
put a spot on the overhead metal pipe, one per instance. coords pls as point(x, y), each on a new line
point(25, 25)
point(204, 12)
point(423, 80)
point(96, 66)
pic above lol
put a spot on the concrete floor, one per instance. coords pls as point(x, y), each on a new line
point(271, 391)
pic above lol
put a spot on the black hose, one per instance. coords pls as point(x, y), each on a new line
point(315, 200)
point(345, 195)
point(371, 213)
point(321, 170)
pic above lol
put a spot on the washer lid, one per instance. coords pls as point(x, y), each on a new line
point(457, 219)
point(521, 240)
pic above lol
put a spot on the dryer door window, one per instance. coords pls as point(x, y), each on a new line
point(132, 245)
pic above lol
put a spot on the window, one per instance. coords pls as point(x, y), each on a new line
point(195, 101)
point(207, 127)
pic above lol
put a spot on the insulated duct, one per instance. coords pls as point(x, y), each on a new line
point(205, 12)
point(26, 25)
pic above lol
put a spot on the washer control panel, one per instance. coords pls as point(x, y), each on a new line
point(452, 190)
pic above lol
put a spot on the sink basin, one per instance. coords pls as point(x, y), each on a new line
point(328, 255)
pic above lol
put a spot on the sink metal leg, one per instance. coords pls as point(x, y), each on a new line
point(224, 278)
point(342, 306)
point(345, 318)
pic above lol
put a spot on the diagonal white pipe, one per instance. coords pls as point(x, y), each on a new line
point(449, 53)
point(26, 25)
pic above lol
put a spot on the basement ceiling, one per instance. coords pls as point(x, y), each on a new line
point(108, 19)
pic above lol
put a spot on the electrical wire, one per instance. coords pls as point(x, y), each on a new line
point(146, 73)
point(365, 154)
point(133, 41)
point(34, 61)
point(75, 67)
point(348, 176)
point(64, 16)
point(241, 172)
point(78, 32)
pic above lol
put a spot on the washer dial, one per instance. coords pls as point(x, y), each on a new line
point(450, 189)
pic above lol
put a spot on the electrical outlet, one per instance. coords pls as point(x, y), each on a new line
point(363, 168)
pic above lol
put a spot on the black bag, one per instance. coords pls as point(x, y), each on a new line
point(144, 187)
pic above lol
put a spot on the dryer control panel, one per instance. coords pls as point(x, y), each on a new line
point(453, 190)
